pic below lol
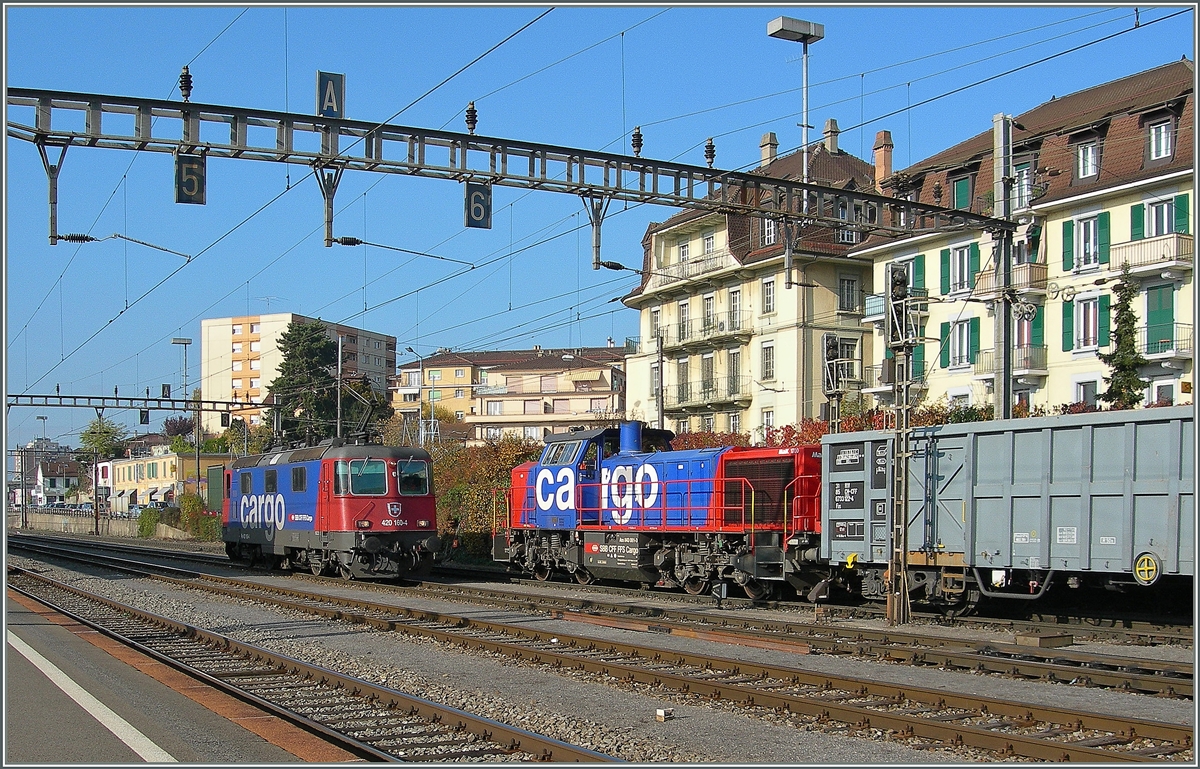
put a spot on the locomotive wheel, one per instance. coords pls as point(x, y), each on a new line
point(316, 567)
point(345, 573)
point(695, 585)
point(541, 572)
point(756, 590)
point(583, 577)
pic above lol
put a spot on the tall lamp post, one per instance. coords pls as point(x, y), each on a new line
point(420, 405)
point(805, 32)
point(184, 342)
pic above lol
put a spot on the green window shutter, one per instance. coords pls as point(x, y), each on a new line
point(918, 366)
point(1037, 334)
point(1182, 209)
point(1137, 221)
point(1104, 324)
point(974, 262)
point(887, 353)
point(1035, 238)
point(944, 359)
point(1068, 245)
point(945, 271)
point(1068, 316)
point(973, 350)
point(1105, 236)
point(919, 271)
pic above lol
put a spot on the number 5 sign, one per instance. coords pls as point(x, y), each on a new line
point(478, 206)
point(189, 179)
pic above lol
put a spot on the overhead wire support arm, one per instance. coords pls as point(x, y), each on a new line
point(328, 181)
point(596, 207)
point(52, 170)
point(386, 148)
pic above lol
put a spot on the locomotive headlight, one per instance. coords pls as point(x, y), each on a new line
point(423, 524)
point(363, 524)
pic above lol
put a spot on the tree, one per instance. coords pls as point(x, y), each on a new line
point(173, 426)
point(105, 437)
point(304, 391)
point(1125, 387)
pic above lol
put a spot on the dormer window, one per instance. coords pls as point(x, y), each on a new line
point(1161, 144)
point(1087, 159)
point(962, 192)
point(768, 232)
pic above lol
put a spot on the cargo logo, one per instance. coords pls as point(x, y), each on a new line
point(627, 489)
point(266, 511)
point(550, 497)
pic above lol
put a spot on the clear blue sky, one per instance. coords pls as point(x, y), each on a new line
point(682, 73)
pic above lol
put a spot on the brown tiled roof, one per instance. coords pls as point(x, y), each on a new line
point(1115, 110)
point(493, 358)
point(553, 361)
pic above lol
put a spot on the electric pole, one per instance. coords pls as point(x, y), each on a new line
point(1003, 312)
point(901, 336)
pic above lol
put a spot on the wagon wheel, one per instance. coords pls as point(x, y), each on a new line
point(541, 572)
point(695, 585)
point(757, 590)
point(584, 577)
point(966, 607)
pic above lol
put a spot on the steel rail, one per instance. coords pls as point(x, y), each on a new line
point(510, 739)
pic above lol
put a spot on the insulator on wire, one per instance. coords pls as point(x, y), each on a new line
point(346, 240)
point(185, 83)
point(472, 118)
point(77, 237)
point(637, 141)
point(710, 152)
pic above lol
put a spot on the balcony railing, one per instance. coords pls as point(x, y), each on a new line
point(1150, 254)
point(1165, 340)
point(1027, 359)
point(874, 305)
point(721, 389)
point(1025, 277)
point(692, 268)
point(724, 325)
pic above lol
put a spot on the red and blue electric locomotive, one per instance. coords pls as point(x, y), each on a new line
point(618, 504)
point(353, 510)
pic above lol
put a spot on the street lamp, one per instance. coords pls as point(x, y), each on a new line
point(787, 28)
point(420, 386)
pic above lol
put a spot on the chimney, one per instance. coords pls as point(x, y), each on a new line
point(768, 145)
point(883, 157)
point(831, 135)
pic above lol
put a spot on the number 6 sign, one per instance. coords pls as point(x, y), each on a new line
point(478, 206)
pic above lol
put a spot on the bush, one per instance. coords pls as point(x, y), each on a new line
point(147, 522)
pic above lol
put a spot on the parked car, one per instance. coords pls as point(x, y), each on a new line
point(135, 511)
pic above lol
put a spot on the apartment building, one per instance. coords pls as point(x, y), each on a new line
point(158, 477)
point(550, 391)
point(1101, 178)
point(725, 343)
point(447, 379)
point(240, 357)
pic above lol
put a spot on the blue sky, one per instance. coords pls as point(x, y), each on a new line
point(581, 76)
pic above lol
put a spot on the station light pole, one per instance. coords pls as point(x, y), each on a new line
point(420, 404)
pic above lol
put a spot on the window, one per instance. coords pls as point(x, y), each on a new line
point(435, 375)
point(367, 476)
point(684, 321)
point(769, 233)
point(1162, 217)
point(768, 296)
point(960, 343)
point(1085, 392)
point(435, 395)
point(960, 268)
point(1022, 186)
point(533, 433)
point(768, 361)
point(1160, 140)
point(299, 478)
point(598, 405)
point(1087, 160)
point(1087, 323)
point(710, 312)
point(735, 309)
point(460, 393)
point(708, 379)
point(495, 408)
point(710, 243)
point(560, 453)
point(846, 235)
point(255, 365)
point(708, 423)
point(735, 422)
point(414, 378)
point(1163, 394)
point(255, 346)
point(684, 249)
point(271, 481)
point(1088, 249)
point(962, 192)
point(376, 344)
point(352, 340)
point(655, 322)
point(237, 329)
point(533, 407)
point(236, 384)
point(460, 414)
point(847, 294)
point(681, 379)
point(847, 356)
point(244, 483)
point(254, 382)
point(768, 418)
point(549, 384)
point(237, 365)
point(562, 406)
point(734, 359)
point(683, 426)
point(237, 347)
point(255, 328)
point(491, 433)
point(960, 400)
point(459, 373)
point(412, 477)
point(655, 380)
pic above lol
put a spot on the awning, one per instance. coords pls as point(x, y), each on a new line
point(152, 491)
point(121, 493)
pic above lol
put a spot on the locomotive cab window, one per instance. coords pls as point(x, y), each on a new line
point(360, 476)
point(412, 477)
point(560, 453)
point(271, 481)
point(299, 478)
point(245, 483)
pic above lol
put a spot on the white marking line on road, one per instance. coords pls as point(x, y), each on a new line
point(124, 731)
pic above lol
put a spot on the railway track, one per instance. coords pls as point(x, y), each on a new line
point(370, 721)
point(929, 717)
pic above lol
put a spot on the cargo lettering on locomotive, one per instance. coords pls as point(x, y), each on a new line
point(627, 489)
point(266, 511)
point(555, 497)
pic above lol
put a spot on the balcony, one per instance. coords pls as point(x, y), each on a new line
point(491, 390)
point(874, 305)
point(880, 378)
point(691, 269)
point(1149, 257)
point(722, 327)
point(1165, 341)
point(1027, 360)
point(1026, 279)
point(706, 394)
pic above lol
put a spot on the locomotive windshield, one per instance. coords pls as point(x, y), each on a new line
point(360, 476)
point(413, 477)
point(560, 453)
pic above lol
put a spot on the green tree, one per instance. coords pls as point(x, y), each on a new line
point(105, 437)
point(304, 391)
point(1125, 386)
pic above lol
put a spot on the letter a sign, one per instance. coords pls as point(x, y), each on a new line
point(331, 94)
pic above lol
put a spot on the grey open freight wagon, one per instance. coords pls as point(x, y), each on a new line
point(1006, 508)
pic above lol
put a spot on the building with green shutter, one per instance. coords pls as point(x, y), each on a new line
point(1101, 177)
